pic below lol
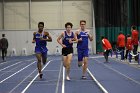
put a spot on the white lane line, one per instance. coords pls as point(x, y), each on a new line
point(11, 70)
point(23, 91)
point(10, 66)
point(59, 76)
point(22, 81)
point(16, 72)
point(33, 59)
point(16, 60)
point(137, 82)
point(97, 82)
point(97, 57)
point(63, 81)
point(7, 62)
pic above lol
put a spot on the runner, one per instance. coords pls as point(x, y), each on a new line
point(41, 38)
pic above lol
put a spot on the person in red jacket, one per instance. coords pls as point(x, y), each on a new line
point(107, 47)
point(135, 38)
point(129, 45)
point(121, 44)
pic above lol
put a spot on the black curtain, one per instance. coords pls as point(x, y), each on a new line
point(113, 16)
point(116, 13)
point(107, 13)
point(135, 12)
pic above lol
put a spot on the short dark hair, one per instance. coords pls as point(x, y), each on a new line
point(82, 21)
point(41, 23)
point(102, 37)
point(128, 35)
point(120, 33)
point(68, 23)
point(3, 35)
point(133, 27)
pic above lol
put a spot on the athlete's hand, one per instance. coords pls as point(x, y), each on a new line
point(64, 46)
point(70, 40)
point(42, 38)
point(90, 36)
point(33, 41)
point(80, 39)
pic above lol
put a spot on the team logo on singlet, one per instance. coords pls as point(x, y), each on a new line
point(85, 34)
point(39, 36)
point(68, 38)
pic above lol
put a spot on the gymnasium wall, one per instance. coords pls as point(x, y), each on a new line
point(19, 19)
point(19, 15)
point(1, 16)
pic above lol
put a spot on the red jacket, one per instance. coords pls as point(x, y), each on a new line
point(129, 43)
point(135, 35)
point(106, 44)
point(121, 40)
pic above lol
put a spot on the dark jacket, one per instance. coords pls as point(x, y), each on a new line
point(3, 43)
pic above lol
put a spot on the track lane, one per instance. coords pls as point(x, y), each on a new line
point(108, 75)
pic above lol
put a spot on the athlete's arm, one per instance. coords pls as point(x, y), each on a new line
point(33, 41)
point(59, 39)
point(90, 36)
point(49, 39)
point(103, 41)
point(75, 40)
point(76, 34)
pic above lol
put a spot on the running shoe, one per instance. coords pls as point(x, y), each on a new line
point(84, 77)
point(44, 63)
point(41, 75)
point(106, 62)
point(68, 78)
point(79, 64)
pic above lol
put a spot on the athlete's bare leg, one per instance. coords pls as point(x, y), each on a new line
point(85, 64)
point(64, 60)
point(44, 59)
point(67, 63)
point(39, 65)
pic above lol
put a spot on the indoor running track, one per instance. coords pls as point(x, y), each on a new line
point(19, 75)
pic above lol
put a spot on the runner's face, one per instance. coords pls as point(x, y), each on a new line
point(82, 25)
point(68, 28)
point(40, 27)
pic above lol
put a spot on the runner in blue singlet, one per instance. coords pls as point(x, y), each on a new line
point(40, 38)
point(82, 46)
point(66, 40)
